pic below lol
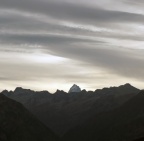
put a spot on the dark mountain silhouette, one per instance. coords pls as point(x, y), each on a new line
point(18, 124)
point(63, 111)
point(126, 123)
point(141, 139)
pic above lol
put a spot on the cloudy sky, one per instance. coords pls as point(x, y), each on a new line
point(52, 44)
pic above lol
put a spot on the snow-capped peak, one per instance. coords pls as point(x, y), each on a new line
point(75, 88)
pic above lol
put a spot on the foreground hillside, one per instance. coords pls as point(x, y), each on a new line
point(17, 124)
point(141, 139)
point(63, 111)
point(125, 123)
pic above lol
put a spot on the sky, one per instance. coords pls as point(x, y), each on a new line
point(53, 44)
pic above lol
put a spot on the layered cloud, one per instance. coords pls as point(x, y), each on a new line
point(47, 44)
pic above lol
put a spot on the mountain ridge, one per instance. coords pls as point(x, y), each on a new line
point(21, 89)
point(62, 111)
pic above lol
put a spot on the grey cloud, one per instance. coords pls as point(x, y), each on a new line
point(44, 40)
point(103, 18)
point(21, 33)
point(116, 60)
point(134, 2)
point(23, 72)
point(65, 11)
point(9, 78)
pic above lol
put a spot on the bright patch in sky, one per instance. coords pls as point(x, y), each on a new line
point(53, 44)
point(43, 58)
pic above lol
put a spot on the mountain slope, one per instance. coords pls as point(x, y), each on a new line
point(141, 139)
point(125, 123)
point(17, 124)
point(62, 111)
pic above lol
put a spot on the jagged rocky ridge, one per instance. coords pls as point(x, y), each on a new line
point(63, 111)
point(75, 89)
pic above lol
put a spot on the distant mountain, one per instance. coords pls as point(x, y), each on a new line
point(63, 111)
point(18, 124)
point(75, 89)
point(126, 123)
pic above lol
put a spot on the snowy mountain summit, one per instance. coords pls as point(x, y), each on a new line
point(75, 88)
